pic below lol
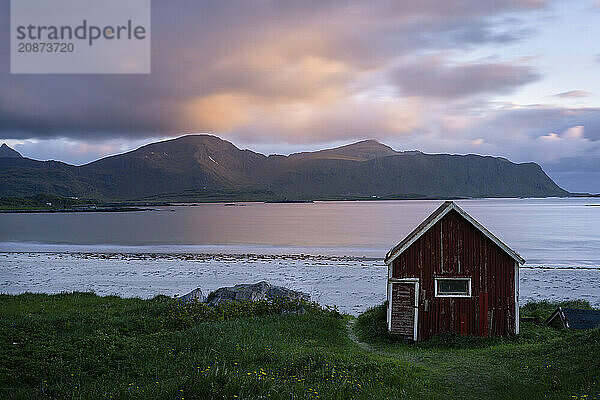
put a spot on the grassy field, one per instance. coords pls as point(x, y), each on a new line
point(81, 346)
point(39, 202)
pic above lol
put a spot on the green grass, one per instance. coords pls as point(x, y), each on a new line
point(40, 202)
point(81, 346)
point(539, 363)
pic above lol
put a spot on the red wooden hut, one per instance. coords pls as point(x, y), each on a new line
point(451, 275)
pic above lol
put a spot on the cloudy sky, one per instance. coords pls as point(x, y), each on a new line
point(512, 78)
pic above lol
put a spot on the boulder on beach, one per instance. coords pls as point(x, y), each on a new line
point(253, 292)
point(195, 296)
point(243, 292)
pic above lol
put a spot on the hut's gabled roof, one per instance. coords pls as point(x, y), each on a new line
point(437, 215)
point(574, 318)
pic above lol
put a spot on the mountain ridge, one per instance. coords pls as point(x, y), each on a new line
point(208, 167)
point(8, 152)
point(359, 151)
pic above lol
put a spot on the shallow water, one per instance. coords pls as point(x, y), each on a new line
point(551, 232)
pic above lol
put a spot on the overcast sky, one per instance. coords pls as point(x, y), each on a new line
point(512, 78)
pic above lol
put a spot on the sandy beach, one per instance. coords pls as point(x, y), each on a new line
point(351, 283)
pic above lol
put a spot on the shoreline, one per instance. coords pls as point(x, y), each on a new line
point(111, 253)
point(71, 210)
point(135, 205)
point(198, 256)
point(352, 283)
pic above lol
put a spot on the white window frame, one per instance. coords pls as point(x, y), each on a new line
point(449, 278)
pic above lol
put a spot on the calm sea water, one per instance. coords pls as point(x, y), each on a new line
point(548, 232)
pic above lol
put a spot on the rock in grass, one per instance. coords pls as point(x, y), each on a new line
point(253, 292)
point(195, 296)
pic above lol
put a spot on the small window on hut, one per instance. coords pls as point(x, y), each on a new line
point(452, 287)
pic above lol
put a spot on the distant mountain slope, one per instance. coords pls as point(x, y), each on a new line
point(6, 151)
point(22, 177)
point(187, 163)
point(360, 151)
point(419, 175)
point(205, 166)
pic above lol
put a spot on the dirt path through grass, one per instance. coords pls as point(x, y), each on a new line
point(352, 336)
point(444, 369)
point(367, 347)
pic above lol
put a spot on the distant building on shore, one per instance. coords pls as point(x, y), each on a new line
point(451, 275)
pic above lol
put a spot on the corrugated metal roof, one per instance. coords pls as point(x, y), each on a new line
point(442, 210)
point(581, 319)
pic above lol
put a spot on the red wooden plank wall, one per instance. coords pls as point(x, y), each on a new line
point(455, 248)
